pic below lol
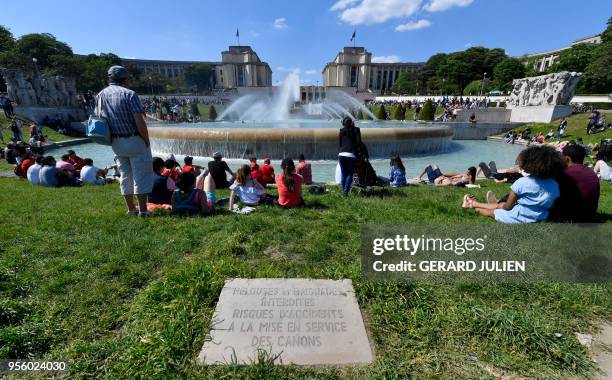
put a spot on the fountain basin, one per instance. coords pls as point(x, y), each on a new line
point(277, 143)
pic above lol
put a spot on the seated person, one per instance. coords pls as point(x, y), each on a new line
point(172, 169)
point(160, 196)
point(289, 185)
point(91, 174)
point(65, 164)
point(33, 173)
point(256, 173)
point(305, 170)
point(186, 199)
point(586, 181)
point(190, 167)
point(217, 169)
point(246, 189)
point(531, 196)
point(21, 170)
point(436, 176)
point(10, 154)
point(601, 168)
point(75, 160)
point(503, 175)
point(52, 176)
point(397, 172)
point(206, 183)
point(267, 172)
point(550, 135)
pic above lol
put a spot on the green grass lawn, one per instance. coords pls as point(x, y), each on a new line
point(410, 113)
point(123, 297)
point(205, 110)
point(576, 127)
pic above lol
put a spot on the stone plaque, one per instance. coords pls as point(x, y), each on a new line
point(296, 321)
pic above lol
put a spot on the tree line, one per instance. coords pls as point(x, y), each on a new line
point(42, 51)
point(481, 70)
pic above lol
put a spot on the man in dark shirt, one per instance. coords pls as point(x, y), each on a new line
point(217, 169)
point(585, 179)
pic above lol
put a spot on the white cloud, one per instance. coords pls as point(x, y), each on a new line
point(442, 5)
point(341, 4)
point(376, 11)
point(284, 69)
point(280, 23)
point(311, 72)
point(468, 45)
point(386, 59)
point(420, 24)
point(305, 82)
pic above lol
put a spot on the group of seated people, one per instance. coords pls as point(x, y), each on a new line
point(546, 185)
point(192, 189)
point(70, 170)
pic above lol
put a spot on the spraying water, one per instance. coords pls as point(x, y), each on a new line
point(279, 106)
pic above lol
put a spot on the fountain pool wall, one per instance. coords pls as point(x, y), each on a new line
point(277, 143)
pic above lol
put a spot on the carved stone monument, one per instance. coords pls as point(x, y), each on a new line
point(293, 321)
point(37, 96)
point(543, 98)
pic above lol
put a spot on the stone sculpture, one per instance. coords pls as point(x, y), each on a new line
point(544, 90)
point(30, 88)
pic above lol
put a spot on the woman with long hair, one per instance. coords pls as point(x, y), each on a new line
point(397, 172)
point(246, 189)
point(349, 141)
point(289, 185)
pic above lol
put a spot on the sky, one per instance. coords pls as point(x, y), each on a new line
point(303, 36)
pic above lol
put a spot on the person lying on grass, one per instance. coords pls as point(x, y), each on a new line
point(186, 199)
point(502, 175)
point(435, 176)
point(246, 189)
point(531, 196)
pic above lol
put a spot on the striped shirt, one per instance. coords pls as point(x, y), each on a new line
point(119, 105)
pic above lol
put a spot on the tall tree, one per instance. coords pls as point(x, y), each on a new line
point(575, 58)
point(598, 73)
point(41, 46)
point(506, 71)
point(7, 41)
point(200, 76)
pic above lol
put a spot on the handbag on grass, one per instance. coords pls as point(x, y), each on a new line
point(97, 126)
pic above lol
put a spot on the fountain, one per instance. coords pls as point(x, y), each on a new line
point(278, 126)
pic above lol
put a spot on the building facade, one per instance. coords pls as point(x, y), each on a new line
point(239, 67)
point(353, 67)
point(542, 61)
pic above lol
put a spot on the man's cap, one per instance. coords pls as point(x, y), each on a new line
point(118, 73)
point(217, 155)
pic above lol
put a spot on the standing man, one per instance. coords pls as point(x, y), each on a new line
point(130, 140)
